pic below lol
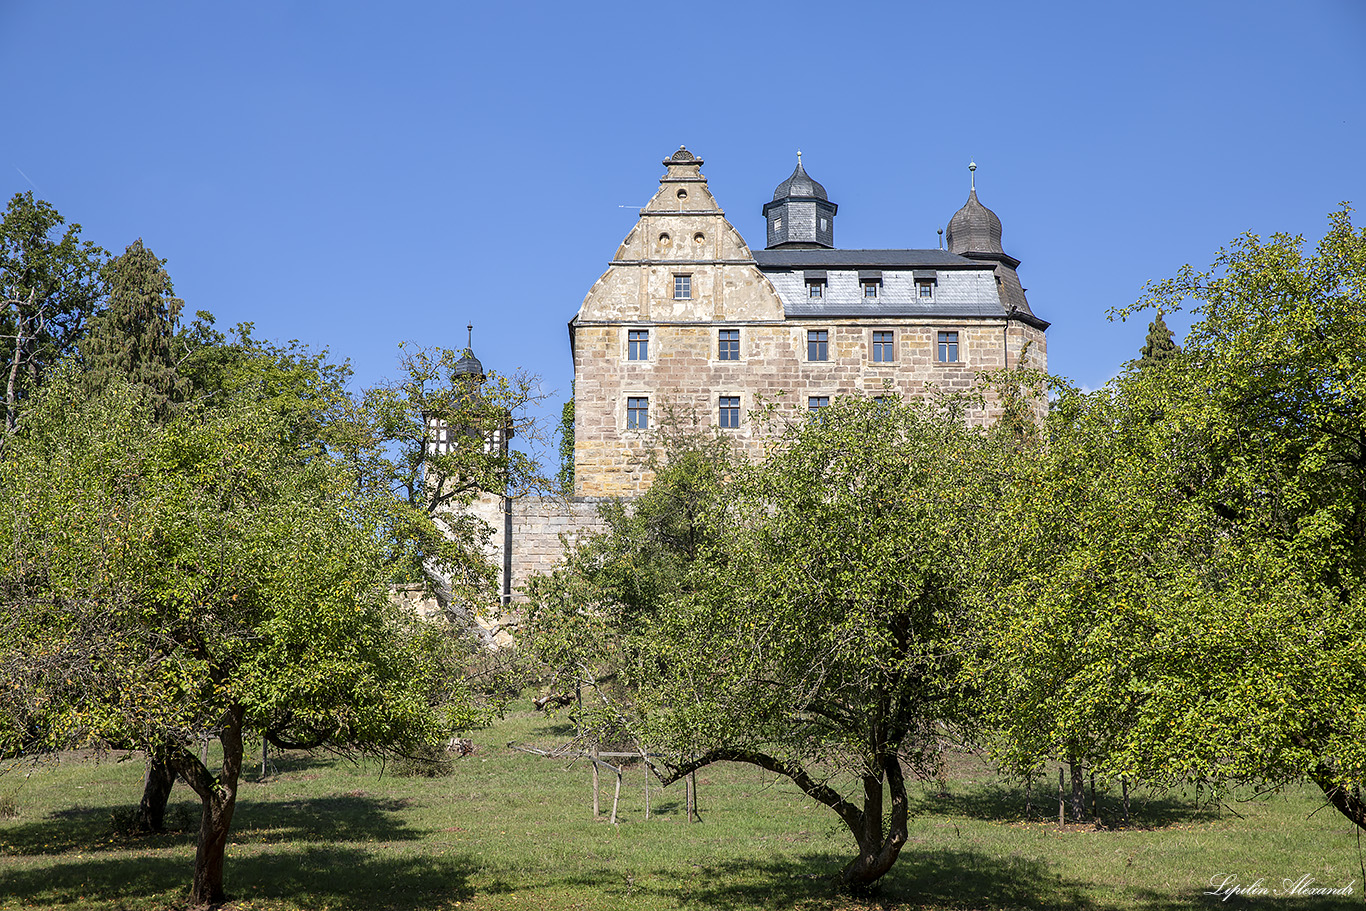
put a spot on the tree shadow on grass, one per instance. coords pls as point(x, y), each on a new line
point(311, 877)
point(939, 879)
point(942, 879)
point(351, 817)
point(997, 803)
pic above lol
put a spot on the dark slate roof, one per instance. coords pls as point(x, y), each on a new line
point(862, 259)
point(800, 186)
point(469, 365)
point(823, 309)
point(974, 228)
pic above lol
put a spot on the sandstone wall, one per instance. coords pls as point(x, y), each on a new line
point(683, 378)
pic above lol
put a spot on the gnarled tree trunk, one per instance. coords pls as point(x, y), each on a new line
point(156, 790)
point(878, 845)
point(218, 795)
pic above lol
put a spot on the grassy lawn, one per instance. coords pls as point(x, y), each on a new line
point(509, 830)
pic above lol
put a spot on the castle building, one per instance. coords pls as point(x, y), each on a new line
point(688, 319)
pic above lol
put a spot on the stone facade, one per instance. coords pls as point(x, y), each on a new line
point(651, 339)
point(687, 323)
point(529, 533)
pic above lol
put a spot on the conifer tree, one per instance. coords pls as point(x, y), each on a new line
point(1159, 345)
point(132, 337)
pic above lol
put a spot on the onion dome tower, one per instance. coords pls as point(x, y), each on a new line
point(801, 215)
point(468, 367)
point(975, 232)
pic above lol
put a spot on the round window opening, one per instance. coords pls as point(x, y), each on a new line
point(682, 194)
point(664, 239)
point(698, 237)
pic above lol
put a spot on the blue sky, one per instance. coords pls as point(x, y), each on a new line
point(355, 175)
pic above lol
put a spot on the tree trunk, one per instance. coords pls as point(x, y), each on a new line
point(12, 385)
point(156, 790)
point(1078, 798)
point(1348, 803)
point(218, 795)
point(878, 849)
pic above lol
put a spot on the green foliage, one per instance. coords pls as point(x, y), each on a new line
point(48, 289)
point(1180, 568)
point(303, 385)
point(806, 614)
point(132, 339)
point(202, 574)
point(566, 475)
point(431, 442)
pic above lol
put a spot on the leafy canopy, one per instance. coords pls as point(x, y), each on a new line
point(201, 574)
point(806, 614)
point(1181, 566)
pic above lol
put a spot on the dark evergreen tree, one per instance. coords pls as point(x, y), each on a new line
point(1160, 344)
point(133, 337)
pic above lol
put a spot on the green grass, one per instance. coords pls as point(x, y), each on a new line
point(509, 830)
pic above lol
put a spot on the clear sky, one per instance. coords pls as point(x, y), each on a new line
point(354, 175)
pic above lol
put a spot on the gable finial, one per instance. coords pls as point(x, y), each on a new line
point(799, 158)
point(469, 341)
point(972, 174)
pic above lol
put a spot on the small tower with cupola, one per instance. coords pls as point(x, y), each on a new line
point(801, 215)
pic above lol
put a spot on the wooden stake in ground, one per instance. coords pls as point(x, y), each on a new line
point(696, 816)
point(645, 757)
point(1125, 782)
point(1062, 816)
point(594, 762)
point(615, 797)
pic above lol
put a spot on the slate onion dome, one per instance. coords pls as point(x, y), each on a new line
point(974, 228)
point(801, 215)
point(800, 185)
point(468, 367)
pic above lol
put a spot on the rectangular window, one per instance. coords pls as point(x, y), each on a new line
point(817, 402)
point(926, 290)
point(637, 414)
point(870, 290)
point(815, 290)
point(730, 410)
point(882, 347)
point(948, 347)
point(728, 344)
point(817, 345)
point(682, 287)
point(638, 345)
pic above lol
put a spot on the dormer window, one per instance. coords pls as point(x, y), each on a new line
point(815, 284)
point(871, 282)
point(924, 284)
